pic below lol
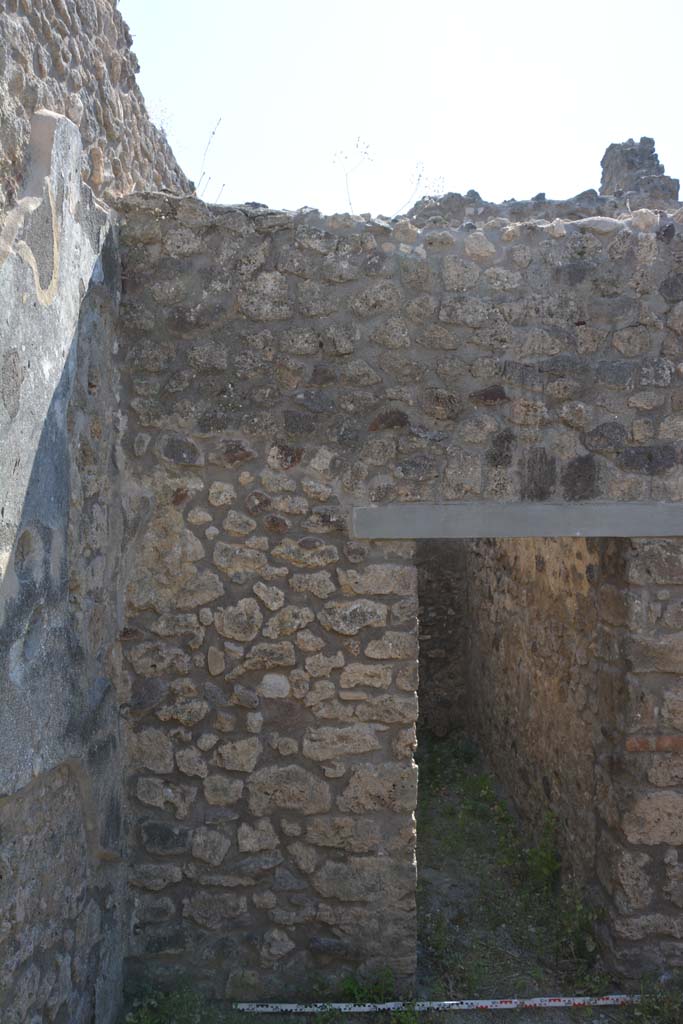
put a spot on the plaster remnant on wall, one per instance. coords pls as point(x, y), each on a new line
point(60, 538)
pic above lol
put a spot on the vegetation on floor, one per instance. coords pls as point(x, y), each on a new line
point(659, 1004)
point(495, 918)
point(184, 1006)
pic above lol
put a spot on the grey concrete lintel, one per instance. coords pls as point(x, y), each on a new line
point(461, 519)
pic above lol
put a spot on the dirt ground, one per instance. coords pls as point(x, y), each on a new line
point(494, 919)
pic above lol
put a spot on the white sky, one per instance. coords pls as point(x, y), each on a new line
point(509, 97)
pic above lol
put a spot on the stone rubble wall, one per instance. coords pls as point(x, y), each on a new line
point(62, 898)
point(569, 678)
point(633, 169)
point(444, 634)
point(74, 57)
point(642, 864)
point(278, 369)
point(542, 667)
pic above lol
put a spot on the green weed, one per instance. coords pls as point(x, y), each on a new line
point(329, 1017)
point(408, 1015)
point(180, 1007)
point(659, 1004)
point(378, 988)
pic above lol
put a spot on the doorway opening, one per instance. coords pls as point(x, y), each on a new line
point(521, 677)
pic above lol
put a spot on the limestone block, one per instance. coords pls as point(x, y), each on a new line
point(271, 655)
point(287, 621)
point(387, 709)
point(233, 559)
point(365, 878)
point(656, 653)
point(151, 749)
point(264, 899)
point(212, 910)
point(374, 676)
point(349, 617)
point(159, 793)
point(356, 835)
point(256, 837)
point(655, 817)
point(672, 709)
point(163, 839)
point(462, 475)
point(318, 583)
point(478, 247)
point(327, 743)
point(405, 744)
point(288, 788)
point(225, 721)
point(239, 524)
point(191, 762)
point(393, 333)
point(254, 722)
point(156, 659)
point(274, 686)
point(379, 580)
point(179, 624)
point(644, 220)
point(319, 666)
point(155, 876)
point(276, 944)
point(188, 712)
point(308, 557)
point(459, 275)
point(656, 562)
point(380, 787)
point(393, 645)
point(154, 909)
point(209, 845)
point(215, 660)
point(380, 297)
point(272, 597)
point(238, 755)
point(625, 873)
point(207, 741)
point(222, 792)
point(647, 925)
point(266, 297)
point(241, 621)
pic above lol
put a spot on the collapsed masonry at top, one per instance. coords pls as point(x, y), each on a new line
point(208, 685)
point(633, 167)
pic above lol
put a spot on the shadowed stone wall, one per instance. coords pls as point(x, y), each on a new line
point(546, 674)
point(62, 898)
point(62, 526)
point(444, 634)
point(568, 677)
point(645, 815)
